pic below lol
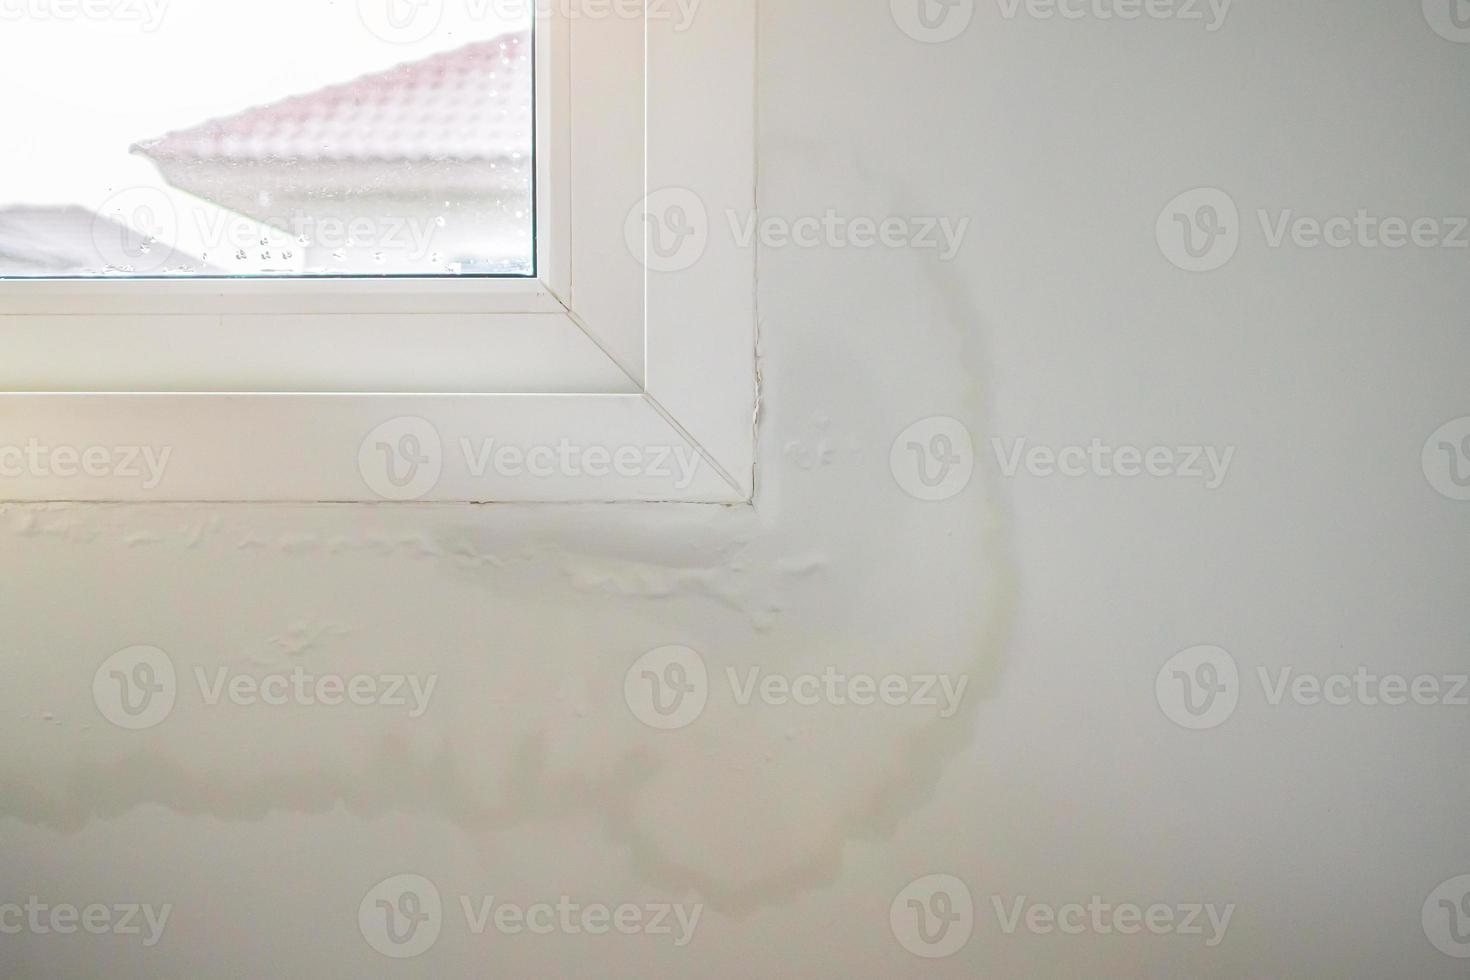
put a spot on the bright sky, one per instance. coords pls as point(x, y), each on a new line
point(77, 91)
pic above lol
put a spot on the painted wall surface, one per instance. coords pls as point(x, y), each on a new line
point(1079, 766)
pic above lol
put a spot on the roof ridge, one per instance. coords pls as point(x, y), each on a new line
point(422, 90)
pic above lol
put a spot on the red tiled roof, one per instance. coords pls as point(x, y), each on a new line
point(473, 103)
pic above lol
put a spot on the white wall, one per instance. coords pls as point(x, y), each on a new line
point(1058, 599)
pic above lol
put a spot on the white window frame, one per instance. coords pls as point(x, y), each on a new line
point(273, 389)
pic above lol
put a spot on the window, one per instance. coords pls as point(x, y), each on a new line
point(237, 148)
point(470, 258)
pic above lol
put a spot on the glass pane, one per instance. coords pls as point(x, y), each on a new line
point(274, 138)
